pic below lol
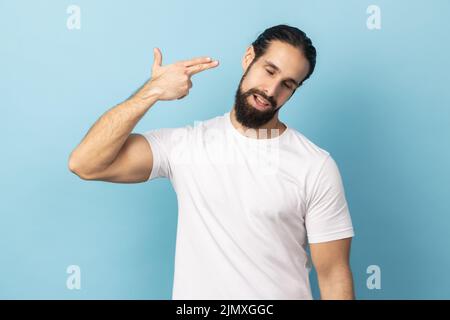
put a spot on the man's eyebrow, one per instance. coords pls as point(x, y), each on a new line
point(272, 65)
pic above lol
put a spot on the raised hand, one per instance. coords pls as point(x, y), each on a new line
point(173, 81)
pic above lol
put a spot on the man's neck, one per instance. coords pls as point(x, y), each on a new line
point(263, 132)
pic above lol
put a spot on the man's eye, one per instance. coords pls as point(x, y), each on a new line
point(269, 72)
point(287, 86)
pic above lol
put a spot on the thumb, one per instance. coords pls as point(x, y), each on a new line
point(157, 61)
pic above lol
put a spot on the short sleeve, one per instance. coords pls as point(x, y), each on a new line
point(161, 142)
point(327, 215)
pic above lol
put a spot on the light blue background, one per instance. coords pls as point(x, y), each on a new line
point(379, 102)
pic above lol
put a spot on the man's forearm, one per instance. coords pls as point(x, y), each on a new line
point(336, 284)
point(101, 145)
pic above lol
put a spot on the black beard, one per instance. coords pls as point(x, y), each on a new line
point(246, 114)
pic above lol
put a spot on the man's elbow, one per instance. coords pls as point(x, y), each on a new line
point(75, 167)
point(336, 282)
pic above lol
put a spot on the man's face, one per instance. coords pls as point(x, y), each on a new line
point(268, 83)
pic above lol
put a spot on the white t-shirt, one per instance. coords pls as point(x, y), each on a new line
point(247, 209)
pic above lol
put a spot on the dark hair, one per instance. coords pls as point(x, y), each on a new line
point(287, 34)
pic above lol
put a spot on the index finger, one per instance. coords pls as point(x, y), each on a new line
point(195, 61)
point(201, 67)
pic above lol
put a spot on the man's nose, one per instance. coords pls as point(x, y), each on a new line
point(271, 90)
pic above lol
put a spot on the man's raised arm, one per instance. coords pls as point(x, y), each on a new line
point(109, 151)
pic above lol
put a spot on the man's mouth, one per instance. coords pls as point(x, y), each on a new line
point(260, 102)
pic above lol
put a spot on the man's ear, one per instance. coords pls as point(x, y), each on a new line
point(248, 57)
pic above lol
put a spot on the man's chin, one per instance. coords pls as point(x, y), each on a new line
point(254, 118)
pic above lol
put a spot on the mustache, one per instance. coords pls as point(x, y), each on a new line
point(253, 91)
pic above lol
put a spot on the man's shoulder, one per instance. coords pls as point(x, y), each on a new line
point(214, 122)
point(193, 126)
point(306, 146)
